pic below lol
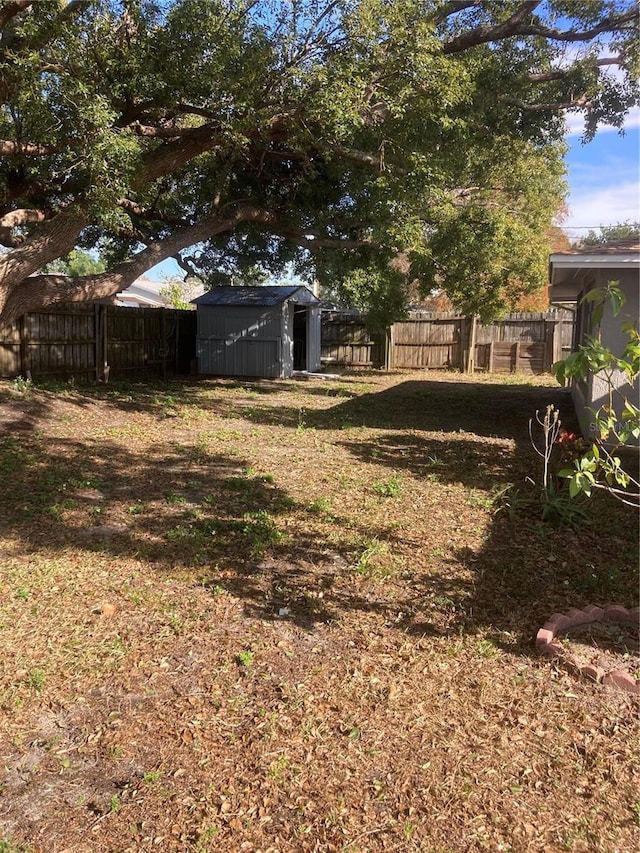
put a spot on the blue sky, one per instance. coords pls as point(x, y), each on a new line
point(603, 177)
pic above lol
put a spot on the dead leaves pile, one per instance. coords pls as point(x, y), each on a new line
point(366, 681)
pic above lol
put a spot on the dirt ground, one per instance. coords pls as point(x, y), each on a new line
point(287, 616)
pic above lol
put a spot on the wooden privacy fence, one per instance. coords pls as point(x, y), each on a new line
point(346, 340)
point(517, 343)
point(94, 341)
point(90, 341)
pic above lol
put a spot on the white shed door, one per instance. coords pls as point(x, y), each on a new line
point(313, 340)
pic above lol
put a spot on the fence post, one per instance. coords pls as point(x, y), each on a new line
point(551, 336)
point(491, 356)
point(390, 342)
point(471, 355)
point(97, 350)
point(516, 357)
point(102, 367)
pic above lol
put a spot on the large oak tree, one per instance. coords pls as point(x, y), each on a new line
point(368, 142)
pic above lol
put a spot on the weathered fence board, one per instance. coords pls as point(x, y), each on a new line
point(97, 341)
point(434, 343)
point(93, 341)
point(518, 343)
point(345, 340)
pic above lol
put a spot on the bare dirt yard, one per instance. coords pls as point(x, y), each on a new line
point(286, 616)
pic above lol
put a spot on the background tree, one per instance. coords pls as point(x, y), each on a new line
point(77, 263)
point(179, 293)
point(365, 142)
point(611, 234)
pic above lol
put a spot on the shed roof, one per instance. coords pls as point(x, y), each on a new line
point(257, 296)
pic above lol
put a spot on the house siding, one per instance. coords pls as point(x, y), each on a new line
point(589, 396)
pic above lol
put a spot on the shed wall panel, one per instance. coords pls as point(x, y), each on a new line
point(240, 341)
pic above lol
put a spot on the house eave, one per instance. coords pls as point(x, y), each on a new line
point(567, 271)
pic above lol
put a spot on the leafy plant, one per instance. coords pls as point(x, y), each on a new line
point(22, 385)
point(36, 679)
point(261, 529)
point(511, 500)
point(151, 777)
point(480, 500)
point(319, 507)
point(390, 488)
point(7, 846)
point(245, 657)
point(369, 563)
point(302, 421)
point(615, 423)
point(486, 649)
point(557, 503)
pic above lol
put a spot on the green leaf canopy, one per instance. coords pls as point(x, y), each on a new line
point(376, 146)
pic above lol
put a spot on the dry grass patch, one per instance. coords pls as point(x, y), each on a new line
point(280, 616)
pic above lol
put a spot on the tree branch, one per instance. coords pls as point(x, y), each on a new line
point(363, 157)
point(184, 264)
point(561, 73)
point(151, 215)
point(12, 8)
point(514, 27)
point(8, 148)
point(53, 239)
point(154, 132)
point(455, 6)
point(554, 106)
point(10, 221)
point(491, 32)
point(21, 291)
point(312, 242)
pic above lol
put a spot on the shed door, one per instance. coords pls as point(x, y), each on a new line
point(313, 340)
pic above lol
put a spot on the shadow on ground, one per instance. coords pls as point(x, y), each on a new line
point(491, 411)
point(195, 511)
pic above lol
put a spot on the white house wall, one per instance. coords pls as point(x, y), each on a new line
point(589, 397)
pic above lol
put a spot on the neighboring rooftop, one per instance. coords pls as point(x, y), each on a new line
point(628, 246)
point(145, 293)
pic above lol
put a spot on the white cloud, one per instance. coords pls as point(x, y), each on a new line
point(591, 207)
point(575, 123)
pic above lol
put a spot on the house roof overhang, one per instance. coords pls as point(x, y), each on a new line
point(568, 271)
point(141, 296)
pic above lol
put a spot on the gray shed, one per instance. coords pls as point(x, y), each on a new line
point(258, 331)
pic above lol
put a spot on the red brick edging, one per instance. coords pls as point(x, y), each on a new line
point(560, 623)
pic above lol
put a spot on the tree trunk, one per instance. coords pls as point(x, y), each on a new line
point(54, 239)
point(22, 291)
